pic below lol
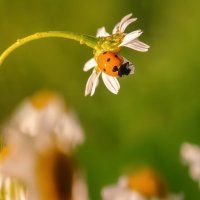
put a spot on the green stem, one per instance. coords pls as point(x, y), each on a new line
point(83, 39)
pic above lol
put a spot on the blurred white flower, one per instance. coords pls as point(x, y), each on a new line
point(39, 140)
point(142, 186)
point(190, 154)
point(120, 65)
point(45, 116)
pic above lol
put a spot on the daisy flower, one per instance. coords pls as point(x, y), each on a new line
point(144, 185)
point(107, 61)
point(37, 161)
point(190, 154)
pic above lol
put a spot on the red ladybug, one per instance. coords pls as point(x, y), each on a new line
point(113, 64)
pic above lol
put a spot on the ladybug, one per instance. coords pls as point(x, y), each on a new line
point(113, 64)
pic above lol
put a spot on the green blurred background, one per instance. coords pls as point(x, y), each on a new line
point(155, 111)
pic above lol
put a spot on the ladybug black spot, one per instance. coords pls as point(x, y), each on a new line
point(116, 56)
point(108, 60)
point(115, 69)
point(105, 52)
point(104, 69)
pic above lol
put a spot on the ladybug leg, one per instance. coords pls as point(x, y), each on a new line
point(116, 69)
point(120, 73)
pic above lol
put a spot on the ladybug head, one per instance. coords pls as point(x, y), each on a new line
point(125, 69)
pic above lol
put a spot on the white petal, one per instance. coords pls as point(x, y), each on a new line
point(101, 32)
point(95, 83)
point(116, 28)
point(137, 45)
point(90, 82)
point(89, 64)
point(126, 24)
point(130, 37)
point(111, 83)
point(131, 66)
point(124, 19)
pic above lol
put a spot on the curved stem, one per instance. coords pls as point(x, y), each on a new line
point(83, 39)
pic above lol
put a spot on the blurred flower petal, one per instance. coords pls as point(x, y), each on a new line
point(190, 154)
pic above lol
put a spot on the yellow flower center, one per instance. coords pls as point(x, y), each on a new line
point(148, 183)
point(110, 43)
point(42, 99)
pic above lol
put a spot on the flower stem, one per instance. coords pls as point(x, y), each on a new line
point(83, 39)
